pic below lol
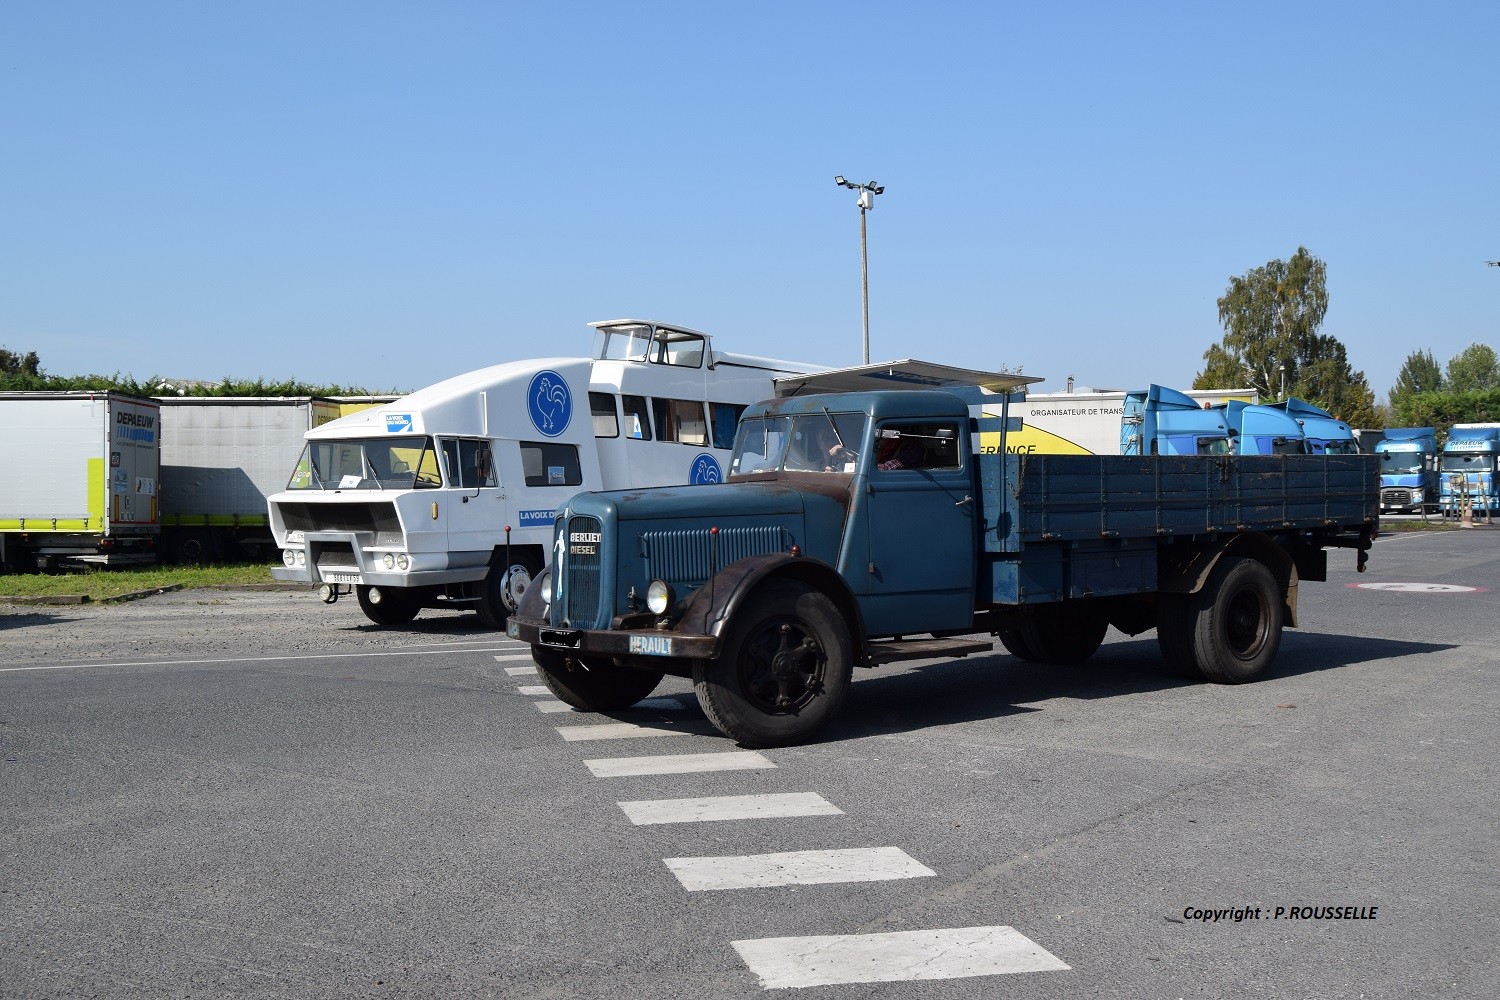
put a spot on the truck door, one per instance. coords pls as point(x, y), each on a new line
point(922, 528)
point(475, 513)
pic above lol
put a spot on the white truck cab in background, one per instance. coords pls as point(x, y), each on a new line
point(447, 497)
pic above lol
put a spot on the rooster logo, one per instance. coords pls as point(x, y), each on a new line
point(705, 471)
point(550, 403)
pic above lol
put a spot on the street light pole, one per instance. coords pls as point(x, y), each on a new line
point(867, 193)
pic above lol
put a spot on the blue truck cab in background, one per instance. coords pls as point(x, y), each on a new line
point(1408, 470)
point(858, 527)
point(1467, 475)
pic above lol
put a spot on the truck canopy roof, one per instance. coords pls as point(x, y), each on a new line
point(907, 374)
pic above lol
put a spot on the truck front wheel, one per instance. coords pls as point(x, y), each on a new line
point(591, 684)
point(386, 605)
point(1235, 621)
point(502, 588)
point(784, 670)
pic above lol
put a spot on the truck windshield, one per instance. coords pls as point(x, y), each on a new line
point(623, 343)
point(1340, 448)
point(814, 442)
point(402, 463)
point(1468, 463)
point(1399, 465)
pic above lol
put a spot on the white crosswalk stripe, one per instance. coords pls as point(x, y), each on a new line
point(953, 953)
point(552, 706)
point(861, 864)
point(683, 763)
point(509, 657)
point(615, 731)
point(520, 671)
point(727, 807)
point(534, 689)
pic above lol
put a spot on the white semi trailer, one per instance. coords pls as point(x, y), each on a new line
point(1082, 423)
point(83, 485)
point(447, 497)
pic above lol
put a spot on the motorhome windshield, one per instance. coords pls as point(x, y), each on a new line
point(401, 463)
point(1395, 464)
point(1468, 463)
point(813, 442)
point(641, 342)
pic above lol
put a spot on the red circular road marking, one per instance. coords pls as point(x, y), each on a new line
point(1419, 588)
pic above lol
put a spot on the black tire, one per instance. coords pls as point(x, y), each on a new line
point(1014, 640)
point(789, 626)
point(1064, 634)
point(1174, 635)
point(1237, 620)
point(594, 685)
point(393, 607)
point(501, 591)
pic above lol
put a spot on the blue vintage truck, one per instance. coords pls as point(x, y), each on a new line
point(858, 527)
point(1408, 470)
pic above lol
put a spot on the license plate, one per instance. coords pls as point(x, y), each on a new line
point(340, 577)
point(651, 645)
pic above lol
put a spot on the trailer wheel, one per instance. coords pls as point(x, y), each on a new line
point(501, 591)
point(591, 683)
point(784, 671)
point(1063, 634)
point(387, 605)
point(1237, 619)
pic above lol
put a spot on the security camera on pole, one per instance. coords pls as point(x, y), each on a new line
point(867, 193)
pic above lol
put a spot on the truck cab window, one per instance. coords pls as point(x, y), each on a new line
point(606, 421)
point(917, 446)
point(470, 463)
point(546, 464)
point(637, 418)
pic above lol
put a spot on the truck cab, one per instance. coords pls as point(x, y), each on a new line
point(1466, 476)
point(1408, 470)
point(1264, 430)
point(1163, 421)
point(1325, 434)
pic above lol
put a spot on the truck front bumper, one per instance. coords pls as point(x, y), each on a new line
point(612, 643)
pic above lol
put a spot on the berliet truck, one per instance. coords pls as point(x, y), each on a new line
point(447, 497)
point(84, 483)
point(901, 540)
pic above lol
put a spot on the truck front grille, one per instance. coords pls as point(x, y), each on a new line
point(377, 517)
point(583, 584)
point(1396, 497)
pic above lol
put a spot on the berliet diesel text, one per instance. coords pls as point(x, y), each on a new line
point(854, 520)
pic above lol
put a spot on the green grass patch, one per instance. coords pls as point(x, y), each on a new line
point(1390, 527)
point(101, 584)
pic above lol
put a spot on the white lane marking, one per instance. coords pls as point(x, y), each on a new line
point(512, 656)
point(553, 705)
point(520, 671)
point(682, 763)
point(953, 953)
point(535, 689)
point(233, 659)
point(614, 731)
point(725, 807)
point(861, 864)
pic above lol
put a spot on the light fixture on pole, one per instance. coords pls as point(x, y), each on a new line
point(867, 193)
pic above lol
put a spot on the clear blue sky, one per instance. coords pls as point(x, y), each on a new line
point(386, 194)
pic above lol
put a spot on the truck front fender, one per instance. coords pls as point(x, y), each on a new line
point(710, 608)
point(1187, 572)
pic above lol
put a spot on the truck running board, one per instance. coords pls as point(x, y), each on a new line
point(877, 653)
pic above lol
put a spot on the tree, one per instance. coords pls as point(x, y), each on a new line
point(1420, 373)
point(1271, 343)
point(17, 364)
point(1474, 369)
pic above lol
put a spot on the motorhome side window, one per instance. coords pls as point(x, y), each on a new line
point(680, 349)
point(548, 464)
point(680, 420)
point(606, 421)
point(637, 418)
point(471, 464)
point(723, 418)
point(917, 446)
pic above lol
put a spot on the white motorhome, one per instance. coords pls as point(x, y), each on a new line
point(446, 497)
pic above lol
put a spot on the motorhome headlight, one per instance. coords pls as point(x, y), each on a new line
point(388, 561)
point(301, 558)
point(659, 597)
point(289, 557)
point(402, 563)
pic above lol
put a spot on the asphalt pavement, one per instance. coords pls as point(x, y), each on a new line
point(254, 794)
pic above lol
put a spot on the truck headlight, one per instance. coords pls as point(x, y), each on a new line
point(659, 597)
point(388, 561)
point(402, 562)
point(301, 558)
point(289, 557)
point(1416, 496)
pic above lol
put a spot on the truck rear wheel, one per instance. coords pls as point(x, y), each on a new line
point(594, 685)
point(501, 590)
point(1063, 634)
point(1237, 621)
point(784, 671)
point(386, 605)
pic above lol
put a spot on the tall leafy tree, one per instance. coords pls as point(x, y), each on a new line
point(1271, 315)
point(1474, 369)
point(12, 363)
point(1420, 373)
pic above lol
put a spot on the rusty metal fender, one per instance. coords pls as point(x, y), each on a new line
point(1188, 573)
point(710, 608)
